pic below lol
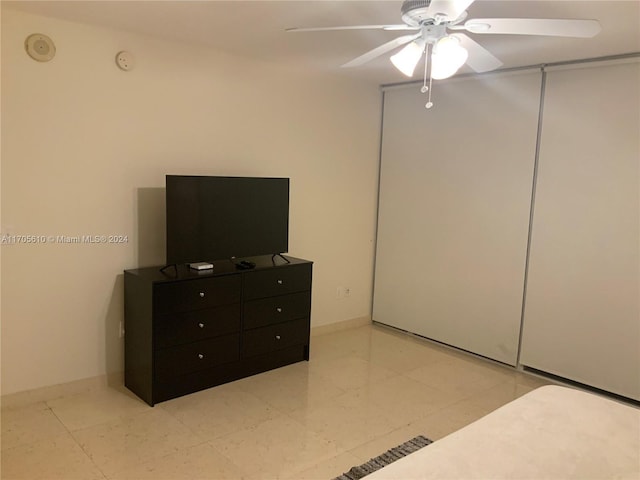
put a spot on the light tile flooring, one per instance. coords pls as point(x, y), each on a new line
point(364, 391)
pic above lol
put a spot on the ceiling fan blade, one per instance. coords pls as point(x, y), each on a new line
point(480, 59)
point(534, 26)
point(353, 27)
point(382, 49)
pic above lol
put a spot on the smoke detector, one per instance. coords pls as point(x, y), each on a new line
point(125, 60)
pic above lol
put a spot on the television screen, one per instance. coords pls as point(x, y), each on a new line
point(214, 218)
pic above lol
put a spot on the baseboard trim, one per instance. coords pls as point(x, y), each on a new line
point(116, 380)
point(340, 326)
point(44, 394)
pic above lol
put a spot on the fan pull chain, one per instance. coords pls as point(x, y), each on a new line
point(424, 88)
point(429, 103)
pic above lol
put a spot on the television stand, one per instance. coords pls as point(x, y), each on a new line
point(199, 329)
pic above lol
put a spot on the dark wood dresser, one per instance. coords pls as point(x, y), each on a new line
point(187, 330)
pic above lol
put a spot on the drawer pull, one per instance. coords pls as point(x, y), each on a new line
point(201, 294)
point(280, 282)
point(200, 356)
point(279, 309)
point(201, 325)
point(277, 337)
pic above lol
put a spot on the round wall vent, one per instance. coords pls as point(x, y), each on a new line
point(40, 47)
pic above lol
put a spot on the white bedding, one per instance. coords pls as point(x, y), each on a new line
point(550, 433)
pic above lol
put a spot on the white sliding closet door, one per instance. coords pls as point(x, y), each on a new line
point(582, 318)
point(455, 193)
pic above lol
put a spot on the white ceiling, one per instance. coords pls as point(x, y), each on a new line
point(257, 28)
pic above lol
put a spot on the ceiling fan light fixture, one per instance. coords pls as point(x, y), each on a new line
point(407, 59)
point(447, 57)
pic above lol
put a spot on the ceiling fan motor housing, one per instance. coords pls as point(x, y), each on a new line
point(418, 13)
point(415, 12)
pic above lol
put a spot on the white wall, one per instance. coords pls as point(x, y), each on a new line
point(85, 148)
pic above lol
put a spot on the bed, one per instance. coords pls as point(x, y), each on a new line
point(552, 432)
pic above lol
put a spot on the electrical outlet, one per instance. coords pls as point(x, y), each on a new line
point(343, 292)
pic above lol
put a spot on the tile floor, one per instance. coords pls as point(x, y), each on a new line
point(363, 391)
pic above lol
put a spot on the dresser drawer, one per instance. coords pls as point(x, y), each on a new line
point(196, 294)
point(183, 359)
point(186, 327)
point(267, 311)
point(275, 337)
point(277, 281)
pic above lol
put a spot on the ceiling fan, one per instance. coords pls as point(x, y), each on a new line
point(446, 52)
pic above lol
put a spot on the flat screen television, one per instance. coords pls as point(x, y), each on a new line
point(214, 218)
